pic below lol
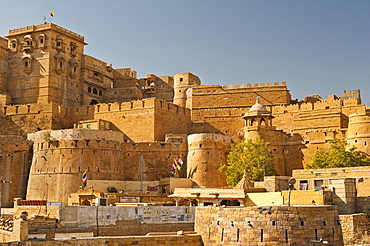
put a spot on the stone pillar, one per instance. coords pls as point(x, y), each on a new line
point(20, 230)
point(177, 201)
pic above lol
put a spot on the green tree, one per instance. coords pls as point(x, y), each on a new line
point(253, 157)
point(338, 156)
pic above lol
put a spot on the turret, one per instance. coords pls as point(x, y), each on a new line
point(358, 134)
point(257, 119)
point(182, 83)
point(206, 153)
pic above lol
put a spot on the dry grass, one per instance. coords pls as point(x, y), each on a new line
point(358, 239)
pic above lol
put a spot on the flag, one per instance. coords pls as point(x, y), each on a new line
point(173, 170)
point(176, 164)
point(180, 162)
point(84, 178)
point(51, 13)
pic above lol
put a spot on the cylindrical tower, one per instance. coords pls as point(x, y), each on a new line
point(206, 153)
point(358, 134)
point(182, 82)
point(62, 156)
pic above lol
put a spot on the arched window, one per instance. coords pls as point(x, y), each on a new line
point(42, 41)
point(262, 122)
point(253, 121)
point(13, 44)
point(89, 89)
point(27, 62)
point(95, 91)
point(59, 43)
point(100, 93)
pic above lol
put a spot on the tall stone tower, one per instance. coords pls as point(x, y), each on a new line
point(358, 134)
point(182, 83)
point(44, 64)
point(206, 153)
point(286, 148)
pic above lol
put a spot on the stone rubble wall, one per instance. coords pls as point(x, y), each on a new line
point(275, 225)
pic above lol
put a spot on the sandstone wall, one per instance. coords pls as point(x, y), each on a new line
point(354, 226)
point(28, 118)
point(142, 120)
point(58, 162)
point(160, 240)
point(3, 64)
point(220, 108)
point(295, 225)
point(15, 163)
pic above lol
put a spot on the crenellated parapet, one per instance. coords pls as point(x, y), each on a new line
point(255, 85)
point(45, 26)
point(143, 104)
point(335, 104)
point(88, 138)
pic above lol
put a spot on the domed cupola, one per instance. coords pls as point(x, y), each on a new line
point(258, 115)
point(257, 109)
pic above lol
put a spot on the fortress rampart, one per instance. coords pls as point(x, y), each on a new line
point(28, 118)
point(276, 225)
point(142, 120)
point(60, 158)
point(48, 83)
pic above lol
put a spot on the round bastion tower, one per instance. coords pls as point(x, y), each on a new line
point(206, 153)
point(182, 83)
point(358, 134)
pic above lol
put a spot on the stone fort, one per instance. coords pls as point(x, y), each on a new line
point(64, 112)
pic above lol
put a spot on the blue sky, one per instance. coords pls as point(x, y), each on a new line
point(318, 46)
